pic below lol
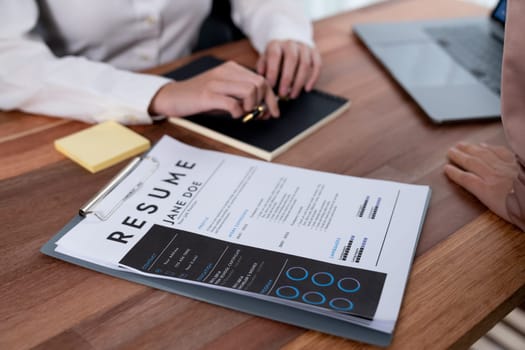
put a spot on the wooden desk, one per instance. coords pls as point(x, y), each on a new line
point(470, 265)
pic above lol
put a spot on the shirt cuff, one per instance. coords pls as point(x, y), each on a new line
point(281, 28)
point(132, 93)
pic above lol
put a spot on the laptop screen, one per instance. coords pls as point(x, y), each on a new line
point(499, 12)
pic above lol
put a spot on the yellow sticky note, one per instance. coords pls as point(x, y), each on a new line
point(102, 145)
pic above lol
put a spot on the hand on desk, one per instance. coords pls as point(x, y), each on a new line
point(297, 64)
point(228, 87)
point(486, 171)
point(237, 90)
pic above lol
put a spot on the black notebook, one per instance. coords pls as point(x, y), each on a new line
point(265, 139)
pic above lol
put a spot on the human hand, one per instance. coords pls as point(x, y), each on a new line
point(486, 171)
point(297, 64)
point(228, 87)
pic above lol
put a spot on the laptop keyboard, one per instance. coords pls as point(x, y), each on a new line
point(471, 47)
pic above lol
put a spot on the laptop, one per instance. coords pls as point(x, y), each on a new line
point(451, 68)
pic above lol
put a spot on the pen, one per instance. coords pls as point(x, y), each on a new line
point(260, 109)
point(255, 113)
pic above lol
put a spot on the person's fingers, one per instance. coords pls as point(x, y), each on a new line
point(474, 149)
point(498, 158)
point(271, 103)
point(229, 87)
point(225, 103)
point(316, 70)
point(492, 191)
point(482, 153)
point(261, 85)
point(290, 62)
point(274, 54)
point(465, 179)
point(488, 172)
point(245, 92)
point(500, 151)
point(468, 162)
point(304, 70)
point(468, 147)
point(235, 72)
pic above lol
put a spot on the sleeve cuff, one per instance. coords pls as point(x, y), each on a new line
point(281, 30)
point(132, 93)
point(264, 21)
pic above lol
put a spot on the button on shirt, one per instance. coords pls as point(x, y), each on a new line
point(74, 58)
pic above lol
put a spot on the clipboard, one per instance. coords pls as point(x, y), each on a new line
point(247, 304)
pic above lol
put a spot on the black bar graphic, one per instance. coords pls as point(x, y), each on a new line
point(188, 256)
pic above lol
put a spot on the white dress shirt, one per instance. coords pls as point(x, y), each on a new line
point(73, 58)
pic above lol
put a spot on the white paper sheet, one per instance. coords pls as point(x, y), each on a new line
point(360, 223)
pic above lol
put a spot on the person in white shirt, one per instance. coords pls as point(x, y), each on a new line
point(75, 58)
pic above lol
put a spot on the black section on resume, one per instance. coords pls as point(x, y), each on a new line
point(184, 255)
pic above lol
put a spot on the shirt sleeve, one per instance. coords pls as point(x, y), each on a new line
point(513, 103)
point(34, 80)
point(266, 20)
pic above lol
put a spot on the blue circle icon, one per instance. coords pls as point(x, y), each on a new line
point(323, 279)
point(314, 298)
point(297, 273)
point(348, 285)
point(287, 292)
point(341, 304)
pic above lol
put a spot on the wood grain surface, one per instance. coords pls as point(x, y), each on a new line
point(468, 273)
